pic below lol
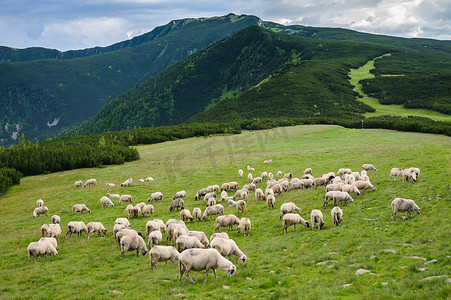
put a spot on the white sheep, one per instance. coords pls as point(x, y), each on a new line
point(56, 219)
point(279, 174)
point(41, 210)
point(224, 187)
point(175, 221)
point(224, 195)
point(113, 196)
point(39, 203)
point(408, 174)
point(123, 221)
point(213, 188)
point(240, 173)
point(292, 219)
point(356, 175)
point(117, 228)
point(132, 211)
point(349, 178)
point(155, 225)
point(185, 241)
point(78, 184)
point(41, 248)
point(337, 196)
point(149, 179)
point(147, 209)
point(203, 259)
point(106, 202)
point(334, 187)
point(250, 177)
point(395, 172)
point(316, 217)
point(416, 171)
point(90, 182)
point(141, 180)
point(264, 175)
point(350, 188)
point(197, 214)
point(369, 167)
point(211, 201)
point(130, 243)
point(250, 169)
point(80, 208)
point(249, 187)
point(179, 194)
point(110, 184)
point(244, 226)
point(127, 182)
point(185, 214)
point(270, 176)
point(308, 171)
point(259, 195)
point(155, 238)
point(296, 185)
point(163, 253)
point(76, 227)
point(404, 205)
point(173, 231)
point(344, 171)
point(337, 215)
point(228, 247)
point(268, 161)
point(288, 208)
point(210, 211)
point(223, 235)
point(52, 240)
point(365, 185)
point(177, 204)
point(52, 230)
point(125, 198)
point(233, 185)
point(126, 232)
point(155, 196)
point(257, 180)
point(226, 221)
point(95, 227)
point(201, 236)
point(270, 201)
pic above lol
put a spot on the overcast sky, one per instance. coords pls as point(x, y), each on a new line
point(78, 24)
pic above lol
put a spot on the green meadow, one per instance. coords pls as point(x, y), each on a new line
point(306, 264)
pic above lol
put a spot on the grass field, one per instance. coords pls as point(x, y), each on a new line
point(392, 109)
point(302, 264)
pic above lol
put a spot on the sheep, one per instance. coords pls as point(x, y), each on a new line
point(228, 247)
point(337, 215)
point(200, 193)
point(130, 243)
point(243, 193)
point(155, 197)
point(201, 236)
point(127, 182)
point(270, 200)
point(175, 221)
point(404, 205)
point(163, 253)
point(270, 176)
point(279, 174)
point(223, 235)
point(187, 242)
point(264, 175)
point(408, 174)
point(210, 211)
point(110, 184)
point(369, 167)
point(249, 186)
point(240, 173)
point(337, 180)
point(113, 196)
point(149, 179)
point(224, 195)
point(268, 192)
point(180, 194)
point(105, 202)
point(250, 169)
point(250, 177)
point(197, 214)
point(337, 196)
point(185, 214)
point(356, 175)
point(76, 227)
point(141, 180)
point(244, 226)
point(259, 195)
point(364, 177)
point(363, 172)
point(316, 217)
point(233, 185)
point(41, 248)
point(56, 219)
point(241, 205)
point(40, 203)
point(52, 230)
point(122, 221)
point(155, 225)
point(125, 198)
point(288, 176)
point(349, 179)
point(288, 208)
point(350, 188)
point(257, 180)
point(126, 232)
point(292, 219)
point(203, 259)
point(296, 185)
point(277, 189)
point(416, 171)
point(78, 184)
point(211, 202)
point(308, 183)
point(90, 182)
point(308, 171)
point(225, 187)
point(268, 161)
point(95, 227)
point(396, 172)
point(226, 221)
point(80, 208)
point(334, 187)
point(213, 188)
point(132, 211)
point(209, 196)
point(140, 206)
point(173, 231)
point(117, 228)
point(365, 185)
point(344, 171)
point(155, 238)
point(52, 241)
point(177, 204)
point(147, 210)
point(320, 181)
point(40, 211)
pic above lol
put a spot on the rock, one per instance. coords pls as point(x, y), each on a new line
point(346, 285)
point(180, 295)
point(248, 278)
point(116, 292)
point(422, 269)
point(366, 219)
point(448, 280)
point(432, 278)
point(326, 261)
point(384, 283)
point(415, 257)
point(271, 272)
point(361, 271)
point(388, 250)
point(433, 261)
point(373, 256)
point(226, 287)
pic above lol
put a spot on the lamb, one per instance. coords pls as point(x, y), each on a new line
point(369, 167)
point(110, 184)
point(41, 248)
point(259, 194)
point(241, 205)
point(186, 215)
point(408, 174)
point(288, 208)
point(40, 203)
point(223, 235)
point(416, 171)
point(250, 169)
point(52, 230)
point(76, 227)
point(257, 180)
point(250, 177)
point(163, 253)
point(90, 182)
point(187, 242)
point(316, 217)
point(125, 198)
point(177, 204)
point(95, 227)
point(200, 193)
point(122, 221)
point(337, 196)
point(203, 259)
point(292, 219)
point(228, 247)
point(127, 182)
point(155, 197)
point(56, 219)
point(197, 214)
point(51, 240)
point(130, 243)
point(132, 211)
point(270, 200)
point(201, 236)
point(226, 221)
point(337, 215)
point(113, 196)
point(404, 205)
point(147, 210)
point(210, 211)
point(155, 225)
point(244, 226)
point(396, 172)
point(105, 202)
point(40, 211)
point(240, 173)
point(350, 188)
point(78, 184)
point(155, 238)
point(365, 185)
point(180, 194)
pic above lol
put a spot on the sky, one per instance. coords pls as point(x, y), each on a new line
point(79, 24)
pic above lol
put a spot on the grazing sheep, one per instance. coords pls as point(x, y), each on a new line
point(113, 196)
point(268, 161)
point(240, 173)
point(241, 205)
point(270, 176)
point(141, 180)
point(173, 231)
point(408, 174)
point(155, 197)
point(203, 259)
point(396, 172)
point(155, 238)
point(228, 247)
point(197, 214)
point(51, 230)
point(128, 182)
point(356, 175)
point(268, 192)
point(288, 208)
point(249, 186)
point(210, 211)
point(163, 253)
point(185, 241)
point(130, 243)
point(56, 219)
point(316, 217)
point(110, 184)
point(364, 177)
point(369, 167)
point(363, 172)
point(349, 179)
point(350, 188)
point(296, 185)
point(186, 215)
point(337, 196)
point(140, 205)
point(233, 185)
point(225, 187)
point(155, 225)
point(308, 183)
point(277, 189)
point(308, 171)
point(213, 188)
point(175, 221)
point(40, 211)
point(344, 171)
point(149, 179)
point(257, 180)
point(177, 204)
point(365, 185)
point(125, 198)
point(270, 200)
point(211, 202)
point(117, 228)
point(147, 210)
point(337, 180)
point(337, 215)
point(224, 195)
point(284, 183)
point(334, 187)
point(105, 202)
point(201, 236)
point(288, 176)
point(41, 248)
point(209, 196)
point(250, 177)
point(404, 205)
point(126, 232)
point(132, 211)
point(180, 194)
point(223, 235)
point(243, 194)
point(416, 171)
point(259, 195)
point(52, 241)
point(76, 227)
point(264, 175)
point(292, 219)
point(122, 221)
point(244, 226)
point(250, 169)
point(226, 221)
point(279, 174)
point(40, 203)
point(78, 184)
point(320, 181)
point(95, 227)
point(90, 182)
point(200, 193)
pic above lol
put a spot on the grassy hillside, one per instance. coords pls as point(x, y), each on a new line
point(304, 263)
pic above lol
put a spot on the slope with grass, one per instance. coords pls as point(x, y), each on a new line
point(304, 263)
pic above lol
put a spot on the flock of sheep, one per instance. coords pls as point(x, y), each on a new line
point(191, 247)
